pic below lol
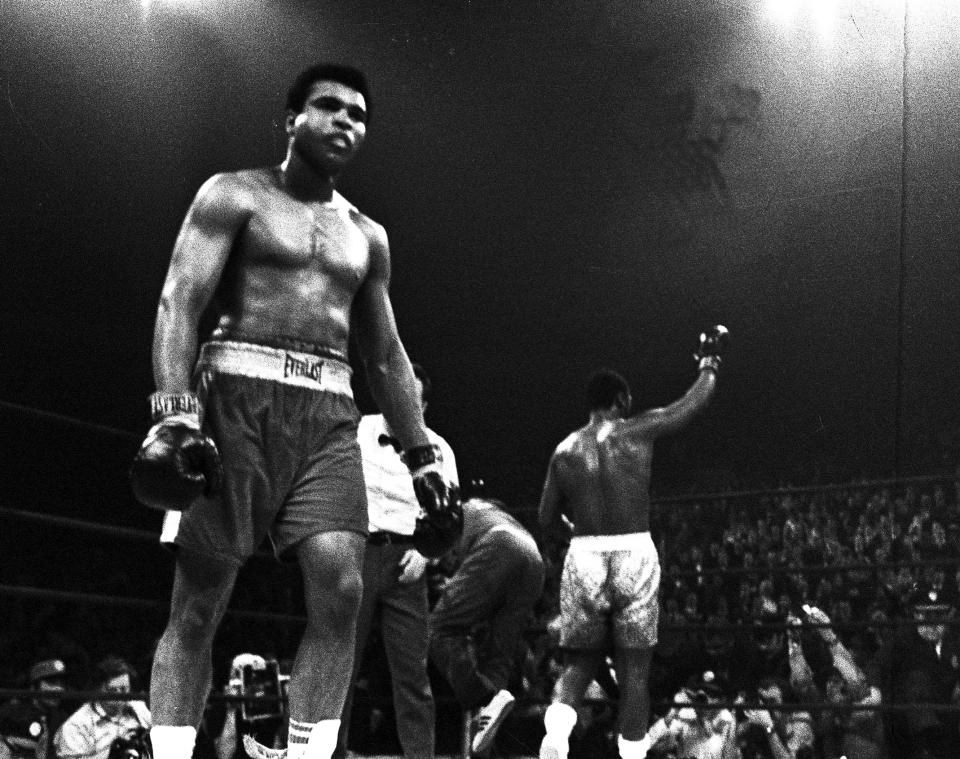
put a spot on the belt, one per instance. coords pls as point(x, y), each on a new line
point(382, 538)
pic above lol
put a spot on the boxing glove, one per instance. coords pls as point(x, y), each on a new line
point(713, 342)
point(440, 523)
point(177, 463)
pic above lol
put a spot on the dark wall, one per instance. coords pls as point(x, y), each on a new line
point(565, 184)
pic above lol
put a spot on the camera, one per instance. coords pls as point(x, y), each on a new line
point(134, 746)
point(698, 695)
point(264, 690)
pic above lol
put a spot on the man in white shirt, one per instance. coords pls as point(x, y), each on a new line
point(91, 731)
point(394, 581)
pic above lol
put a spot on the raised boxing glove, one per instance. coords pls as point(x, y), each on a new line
point(440, 523)
point(713, 342)
point(177, 463)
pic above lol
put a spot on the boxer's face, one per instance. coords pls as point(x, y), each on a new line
point(330, 129)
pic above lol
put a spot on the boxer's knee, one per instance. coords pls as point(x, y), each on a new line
point(332, 565)
point(349, 591)
point(201, 594)
point(335, 601)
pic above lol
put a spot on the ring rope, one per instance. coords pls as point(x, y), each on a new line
point(799, 706)
point(53, 416)
point(95, 527)
point(814, 568)
point(78, 524)
point(98, 599)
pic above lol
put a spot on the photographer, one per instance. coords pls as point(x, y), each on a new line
point(771, 732)
point(27, 726)
point(254, 677)
point(856, 734)
point(107, 728)
point(696, 733)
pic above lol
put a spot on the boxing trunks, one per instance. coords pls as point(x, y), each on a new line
point(609, 589)
point(286, 426)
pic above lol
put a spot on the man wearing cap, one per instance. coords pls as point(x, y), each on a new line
point(27, 727)
point(92, 730)
point(922, 665)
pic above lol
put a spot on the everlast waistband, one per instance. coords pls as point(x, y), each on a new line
point(289, 367)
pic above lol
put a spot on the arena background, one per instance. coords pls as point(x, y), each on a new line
point(566, 183)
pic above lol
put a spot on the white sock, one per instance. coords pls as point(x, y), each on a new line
point(173, 741)
point(633, 749)
point(322, 741)
point(298, 734)
point(559, 721)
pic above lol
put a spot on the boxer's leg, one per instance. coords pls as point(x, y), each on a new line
point(331, 563)
point(181, 674)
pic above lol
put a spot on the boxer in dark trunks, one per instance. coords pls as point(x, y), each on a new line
point(261, 414)
point(598, 478)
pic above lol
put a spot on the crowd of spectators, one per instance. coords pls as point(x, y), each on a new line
point(830, 598)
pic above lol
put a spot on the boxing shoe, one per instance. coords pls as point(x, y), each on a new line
point(489, 720)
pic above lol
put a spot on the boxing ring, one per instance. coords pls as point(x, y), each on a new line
point(150, 611)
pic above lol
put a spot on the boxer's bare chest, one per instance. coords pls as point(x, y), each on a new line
point(294, 269)
point(311, 241)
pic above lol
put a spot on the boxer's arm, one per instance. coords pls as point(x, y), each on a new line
point(385, 361)
point(551, 500)
point(676, 416)
point(200, 253)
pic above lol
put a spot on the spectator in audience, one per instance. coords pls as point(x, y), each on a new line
point(107, 728)
point(762, 653)
point(773, 732)
point(922, 665)
point(697, 733)
point(252, 676)
point(27, 727)
point(855, 734)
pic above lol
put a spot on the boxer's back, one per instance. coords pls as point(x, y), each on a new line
point(603, 472)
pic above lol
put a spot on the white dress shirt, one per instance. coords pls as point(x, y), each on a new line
point(391, 503)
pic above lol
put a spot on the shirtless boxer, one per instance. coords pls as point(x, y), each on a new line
point(288, 263)
point(599, 478)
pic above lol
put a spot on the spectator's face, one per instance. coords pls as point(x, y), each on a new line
point(49, 685)
point(120, 685)
point(836, 689)
point(932, 628)
point(771, 697)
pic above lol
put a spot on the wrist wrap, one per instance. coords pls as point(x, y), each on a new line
point(170, 404)
point(710, 363)
point(422, 456)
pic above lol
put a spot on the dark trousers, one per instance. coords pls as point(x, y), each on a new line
point(402, 613)
point(497, 584)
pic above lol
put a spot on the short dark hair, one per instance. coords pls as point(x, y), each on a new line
point(421, 374)
point(347, 75)
point(111, 667)
point(604, 387)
